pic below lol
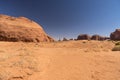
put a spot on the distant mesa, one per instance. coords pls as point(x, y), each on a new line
point(115, 35)
point(93, 37)
point(21, 29)
point(65, 39)
point(71, 39)
point(98, 37)
point(83, 37)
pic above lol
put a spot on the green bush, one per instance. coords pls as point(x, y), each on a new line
point(117, 46)
point(117, 43)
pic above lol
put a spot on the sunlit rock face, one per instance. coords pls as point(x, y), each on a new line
point(21, 29)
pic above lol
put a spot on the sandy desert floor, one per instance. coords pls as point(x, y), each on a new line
point(71, 60)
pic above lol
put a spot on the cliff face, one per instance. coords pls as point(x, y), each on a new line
point(115, 35)
point(21, 29)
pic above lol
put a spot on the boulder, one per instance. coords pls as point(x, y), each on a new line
point(83, 37)
point(115, 35)
point(21, 29)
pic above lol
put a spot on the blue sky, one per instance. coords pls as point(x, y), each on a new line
point(68, 18)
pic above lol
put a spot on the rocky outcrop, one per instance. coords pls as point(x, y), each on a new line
point(98, 37)
point(115, 35)
point(21, 29)
point(83, 37)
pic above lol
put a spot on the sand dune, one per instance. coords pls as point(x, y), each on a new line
point(71, 60)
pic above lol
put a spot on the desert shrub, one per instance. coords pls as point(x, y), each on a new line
point(117, 43)
point(83, 42)
point(117, 46)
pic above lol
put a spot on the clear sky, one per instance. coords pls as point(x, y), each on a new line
point(68, 18)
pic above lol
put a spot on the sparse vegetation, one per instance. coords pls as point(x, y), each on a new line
point(117, 46)
point(83, 42)
point(117, 43)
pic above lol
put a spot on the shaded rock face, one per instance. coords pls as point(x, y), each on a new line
point(95, 37)
point(98, 37)
point(115, 35)
point(83, 37)
point(65, 39)
point(21, 29)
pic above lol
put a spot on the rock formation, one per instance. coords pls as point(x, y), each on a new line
point(98, 37)
point(95, 37)
point(115, 35)
point(65, 39)
point(21, 29)
point(83, 37)
point(71, 39)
